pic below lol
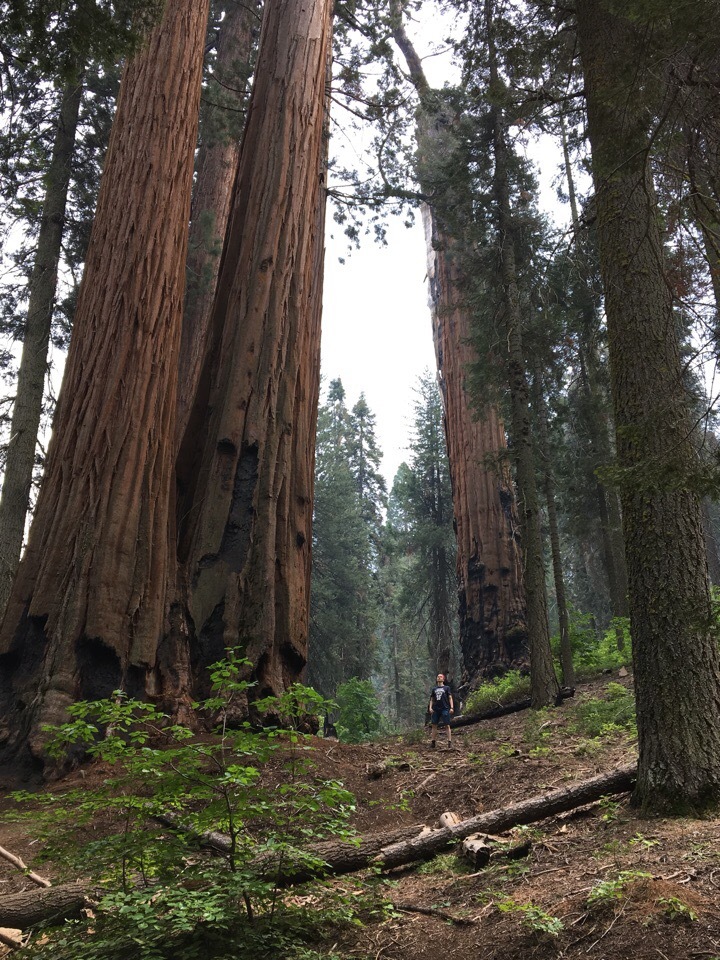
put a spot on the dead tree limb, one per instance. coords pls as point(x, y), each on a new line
point(10, 941)
point(506, 709)
point(433, 912)
point(22, 910)
point(17, 862)
point(480, 849)
point(425, 847)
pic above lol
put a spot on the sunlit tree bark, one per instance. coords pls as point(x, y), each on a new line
point(88, 604)
point(247, 511)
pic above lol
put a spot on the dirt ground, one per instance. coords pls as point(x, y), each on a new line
point(662, 877)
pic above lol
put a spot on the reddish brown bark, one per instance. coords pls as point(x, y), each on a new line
point(493, 631)
point(247, 516)
point(87, 607)
point(216, 165)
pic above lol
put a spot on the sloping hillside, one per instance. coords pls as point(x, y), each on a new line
point(595, 882)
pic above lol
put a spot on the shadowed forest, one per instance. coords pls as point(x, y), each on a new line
point(221, 622)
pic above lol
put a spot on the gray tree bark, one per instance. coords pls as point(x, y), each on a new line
point(675, 651)
point(30, 388)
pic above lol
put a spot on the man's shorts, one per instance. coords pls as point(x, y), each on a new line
point(442, 717)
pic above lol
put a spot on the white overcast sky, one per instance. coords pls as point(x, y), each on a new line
point(377, 334)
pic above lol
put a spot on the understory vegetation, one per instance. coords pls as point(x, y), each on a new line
point(145, 823)
point(140, 837)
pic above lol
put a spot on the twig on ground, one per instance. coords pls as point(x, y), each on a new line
point(433, 912)
point(10, 941)
point(17, 862)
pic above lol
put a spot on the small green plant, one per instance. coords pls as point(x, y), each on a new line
point(538, 732)
point(614, 888)
point(170, 788)
point(504, 751)
point(444, 863)
point(610, 808)
point(675, 909)
point(645, 842)
point(359, 717)
point(588, 748)
point(532, 916)
point(485, 735)
point(613, 714)
point(503, 690)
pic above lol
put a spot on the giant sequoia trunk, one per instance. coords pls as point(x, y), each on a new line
point(216, 165)
point(247, 511)
point(493, 632)
point(493, 629)
point(87, 607)
point(544, 685)
point(675, 653)
point(42, 288)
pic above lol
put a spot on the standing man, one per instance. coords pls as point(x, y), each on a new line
point(441, 709)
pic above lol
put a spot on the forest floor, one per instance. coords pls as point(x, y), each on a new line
point(661, 877)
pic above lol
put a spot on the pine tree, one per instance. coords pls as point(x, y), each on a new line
point(343, 597)
point(675, 654)
point(431, 535)
point(364, 458)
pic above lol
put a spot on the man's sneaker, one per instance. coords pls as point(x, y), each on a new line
point(450, 745)
point(432, 744)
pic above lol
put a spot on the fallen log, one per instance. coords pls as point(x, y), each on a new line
point(425, 847)
point(356, 855)
point(22, 910)
point(335, 857)
point(26, 909)
point(507, 708)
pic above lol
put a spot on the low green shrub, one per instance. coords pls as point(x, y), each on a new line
point(497, 693)
point(359, 717)
point(593, 654)
point(140, 837)
point(605, 717)
point(615, 888)
point(532, 916)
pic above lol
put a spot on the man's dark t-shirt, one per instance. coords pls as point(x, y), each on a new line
point(440, 697)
